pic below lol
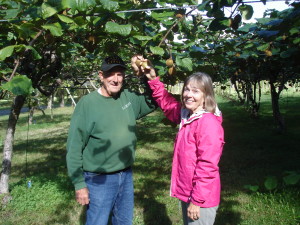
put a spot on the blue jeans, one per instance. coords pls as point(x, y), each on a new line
point(110, 194)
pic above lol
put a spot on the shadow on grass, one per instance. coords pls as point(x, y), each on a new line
point(152, 186)
point(62, 218)
point(44, 119)
point(252, 152)
point(47, 166)
point(226, 215)
point(151, 170)
point(49, 162)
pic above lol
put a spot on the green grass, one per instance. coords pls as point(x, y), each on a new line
point(253, 151)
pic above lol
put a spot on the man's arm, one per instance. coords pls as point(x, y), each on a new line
point(75, 144)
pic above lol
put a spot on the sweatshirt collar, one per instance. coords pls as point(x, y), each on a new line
point(186, 118)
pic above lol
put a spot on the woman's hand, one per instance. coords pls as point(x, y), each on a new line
point(142, 66)
point(193, 211)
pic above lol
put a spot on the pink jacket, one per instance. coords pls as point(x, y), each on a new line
point(197, 150)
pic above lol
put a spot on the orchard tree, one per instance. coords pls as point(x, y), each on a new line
point(40, 39)
point(267, 51)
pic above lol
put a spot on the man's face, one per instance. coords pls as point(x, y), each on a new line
point(112, 81)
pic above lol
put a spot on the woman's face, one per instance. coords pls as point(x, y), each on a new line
point(193, 97)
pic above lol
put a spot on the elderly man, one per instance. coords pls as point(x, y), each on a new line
point(101, 146)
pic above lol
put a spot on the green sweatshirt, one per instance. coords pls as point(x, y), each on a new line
point(102, 133)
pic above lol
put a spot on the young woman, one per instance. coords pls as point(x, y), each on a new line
point(198, 146)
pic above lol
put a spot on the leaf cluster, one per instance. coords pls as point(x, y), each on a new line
point(45, 37)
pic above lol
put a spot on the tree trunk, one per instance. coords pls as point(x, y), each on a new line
point(62, 98)
point(242, 100)
point(50, 102)
point(8, 143)
point(279, 120)
point(31, 113)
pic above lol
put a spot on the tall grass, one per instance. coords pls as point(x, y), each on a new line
point(253, 151)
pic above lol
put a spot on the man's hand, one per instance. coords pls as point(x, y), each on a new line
point(82, 196)
point(193, 211)
point(136, 61)
point(142, 66)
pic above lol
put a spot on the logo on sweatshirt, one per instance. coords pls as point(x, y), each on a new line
point(126, 106)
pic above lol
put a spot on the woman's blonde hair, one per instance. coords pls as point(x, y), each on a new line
point(204, 83)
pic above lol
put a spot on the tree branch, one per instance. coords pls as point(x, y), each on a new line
point(18, 60)
point(171, 28)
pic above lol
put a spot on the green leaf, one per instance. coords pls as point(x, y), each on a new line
point(267, 33)
point(271, 183)
point(294, 30)
point(162, 16)
point(202, 6)
point(227, 3)
point(109, 5)
point(185, 63)
point(288, 53)
point(264, 20)
point(54, 28)
point(157, 50)
point(65, 19)
point(81, 5)
point(226, 22)
point(216, 13)
point(19, 85)
point(263, 47)
point(80, 21)
point(142, 38)
point(250, 45)
point(247, 27)
point(47, 10)
point(6, 71)
point(115, 28)
point(219, 24)
point(292, 179)
point(246, 11)
point(65, 4)
point(121, 15)
point(27, 30)
point(245, 55)
point(6, 52)
point(36, 55)
point(12, 13)
point(253, 188)
point(296, 41)
point(11, 36)
point(275, 51)
point(218, 58)
point(20, 48)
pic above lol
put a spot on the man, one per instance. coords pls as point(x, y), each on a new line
point(101, 146)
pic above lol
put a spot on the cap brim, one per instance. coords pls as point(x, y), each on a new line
point(108, 67)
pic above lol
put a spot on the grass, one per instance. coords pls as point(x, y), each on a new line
point(253, 151)
point(5, 104)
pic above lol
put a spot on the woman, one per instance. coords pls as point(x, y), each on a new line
point(198, 145)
